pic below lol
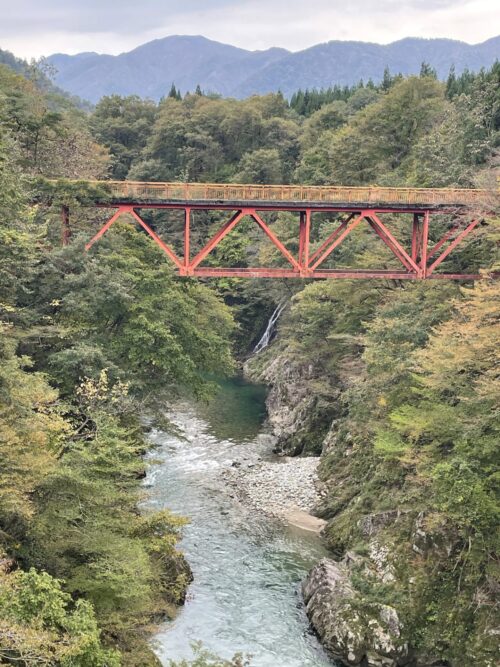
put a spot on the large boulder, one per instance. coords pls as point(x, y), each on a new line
point(355, 631)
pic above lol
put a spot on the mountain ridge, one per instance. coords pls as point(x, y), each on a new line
point(150, 69)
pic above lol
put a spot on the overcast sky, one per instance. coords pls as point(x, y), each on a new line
point(32, 28)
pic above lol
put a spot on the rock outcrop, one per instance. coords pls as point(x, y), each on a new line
point(298, 415)
point(353, 630)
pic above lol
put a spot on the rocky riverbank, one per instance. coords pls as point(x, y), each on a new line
point(285, 488)
point(354, 630)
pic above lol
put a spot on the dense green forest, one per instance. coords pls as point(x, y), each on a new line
point(92, 342)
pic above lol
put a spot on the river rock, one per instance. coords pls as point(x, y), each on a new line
point(278, 488)
point(371, 524)
point(353, 630)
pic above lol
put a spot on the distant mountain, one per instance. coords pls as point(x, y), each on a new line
point(150, 69)
point(9, 59)
point(346, 63)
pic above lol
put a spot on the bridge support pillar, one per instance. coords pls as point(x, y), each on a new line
point(419, 242)
point(187, 238)
point(304, 237)
point(424, 246)
point(415, 237)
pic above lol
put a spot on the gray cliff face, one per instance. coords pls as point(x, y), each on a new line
point(299, 416)
point(358, 631)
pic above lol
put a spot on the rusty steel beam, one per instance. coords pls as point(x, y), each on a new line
point(383, 232)
point(325, 274)
point(168, 251)
point(107, 225)
point(331, 238)
point(452, 245)
point(215, 240)
point(339, 238)
point(415, 262)
point(187, 236)
point(304, 239)
point(443, 240)
point(292, 207)
point(416, 238)
point(275, 240)
point(424, 243)
point(392, 247)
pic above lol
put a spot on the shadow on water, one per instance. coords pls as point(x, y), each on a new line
point(237, 410)
point(247, 568)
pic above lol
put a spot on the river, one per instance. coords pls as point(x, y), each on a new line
point(247, 568)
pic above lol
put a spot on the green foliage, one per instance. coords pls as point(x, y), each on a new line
point(126, 312)
point(116, 559)
point(307, 102)
point(71, 193)
point(209, 139)
point(427, 70)
point(51, 136)
point(380, 136)
point(262, 166)
point(40, 624)
point(326, 319)
point(174, 93)
point(329, 117)
point(204, 658)
point(31, 431)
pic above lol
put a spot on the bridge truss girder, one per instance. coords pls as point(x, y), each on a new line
point(416, 263)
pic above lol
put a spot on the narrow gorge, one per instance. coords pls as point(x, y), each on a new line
point(204, 438)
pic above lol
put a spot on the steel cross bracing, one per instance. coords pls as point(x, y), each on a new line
point(416, 263)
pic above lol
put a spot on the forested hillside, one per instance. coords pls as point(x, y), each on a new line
point(402, 391)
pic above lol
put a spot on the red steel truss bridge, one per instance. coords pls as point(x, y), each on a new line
point(372, 207)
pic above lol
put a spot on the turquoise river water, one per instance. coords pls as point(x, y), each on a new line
point(247, 568)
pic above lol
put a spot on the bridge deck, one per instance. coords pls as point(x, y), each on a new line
point(362, 207)
point(288, 196)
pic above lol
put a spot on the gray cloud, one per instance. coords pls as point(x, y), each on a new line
point(100, 16)
point(34, 27)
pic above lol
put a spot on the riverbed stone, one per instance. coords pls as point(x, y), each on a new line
point(277, 488)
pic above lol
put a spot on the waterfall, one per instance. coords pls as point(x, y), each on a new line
point(271, 325)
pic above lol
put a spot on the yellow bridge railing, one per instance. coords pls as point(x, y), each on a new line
point(186, 192)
